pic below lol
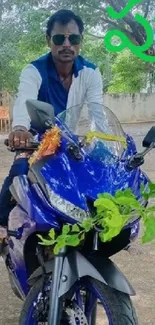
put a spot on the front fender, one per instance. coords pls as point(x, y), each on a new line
point(76, 266)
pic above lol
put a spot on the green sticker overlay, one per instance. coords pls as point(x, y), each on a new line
point(125, 41)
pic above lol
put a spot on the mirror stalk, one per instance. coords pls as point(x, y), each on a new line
point(138, 159)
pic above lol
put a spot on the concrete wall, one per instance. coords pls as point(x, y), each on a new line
point(128, 108)
point(132, 108)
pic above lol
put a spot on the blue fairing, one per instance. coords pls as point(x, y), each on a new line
point(77, 181)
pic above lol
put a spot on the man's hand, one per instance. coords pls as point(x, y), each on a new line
point(20, 138)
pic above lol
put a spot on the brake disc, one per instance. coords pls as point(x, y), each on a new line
point(76, 315)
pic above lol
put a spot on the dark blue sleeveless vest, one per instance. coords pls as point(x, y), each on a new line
point(51, 90)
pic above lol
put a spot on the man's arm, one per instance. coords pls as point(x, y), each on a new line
point(95, 87)
point(30, 82)
point(95, 101)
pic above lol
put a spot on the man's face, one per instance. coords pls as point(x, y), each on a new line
point(64, 41)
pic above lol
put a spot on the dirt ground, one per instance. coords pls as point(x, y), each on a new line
point(140, 269)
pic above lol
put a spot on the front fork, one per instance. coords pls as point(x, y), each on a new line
point(55, 307)
point(55, 304)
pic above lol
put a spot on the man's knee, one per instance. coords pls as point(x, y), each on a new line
point(19, 167)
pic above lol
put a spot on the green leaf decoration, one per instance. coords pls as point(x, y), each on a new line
point(46, 242)
point(52, 234)
point(73, 240)
point(112, 213)
point(65, 229)
point(149, 233)
point(75, 228)
point(87, 225)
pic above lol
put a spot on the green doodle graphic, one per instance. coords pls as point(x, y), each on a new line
point(125, 41)
point(119, 15)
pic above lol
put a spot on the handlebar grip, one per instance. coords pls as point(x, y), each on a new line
point(33, 145)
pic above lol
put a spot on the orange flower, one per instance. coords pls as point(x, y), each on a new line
point(48, 146)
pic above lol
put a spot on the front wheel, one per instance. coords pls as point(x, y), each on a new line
point(79, 307)
point(118, 305)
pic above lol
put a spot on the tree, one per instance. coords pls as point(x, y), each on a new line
point(94, 50)
point(25, 42)
point(95, 14)
point(128, 74)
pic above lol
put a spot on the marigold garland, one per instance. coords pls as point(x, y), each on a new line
point(49, 145)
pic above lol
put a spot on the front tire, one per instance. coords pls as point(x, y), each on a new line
point(118, 305)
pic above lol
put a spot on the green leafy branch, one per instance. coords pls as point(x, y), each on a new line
point(112, 214)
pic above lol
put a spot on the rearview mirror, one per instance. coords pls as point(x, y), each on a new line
point(149, 138)
point(41, 114)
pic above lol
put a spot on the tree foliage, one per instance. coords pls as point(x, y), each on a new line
point(128, 74)
point(22, 39)
point(94, 50)
point(95, 14)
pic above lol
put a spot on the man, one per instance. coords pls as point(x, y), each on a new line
point(62, 78)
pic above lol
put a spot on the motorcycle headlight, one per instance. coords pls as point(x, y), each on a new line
point(66, 207)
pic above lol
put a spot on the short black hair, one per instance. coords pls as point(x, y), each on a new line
point(63, 17)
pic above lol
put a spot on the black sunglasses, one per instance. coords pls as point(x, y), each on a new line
point(59, 39)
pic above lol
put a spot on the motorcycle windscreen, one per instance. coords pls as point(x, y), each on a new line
point(98, 123)
point(100, 170)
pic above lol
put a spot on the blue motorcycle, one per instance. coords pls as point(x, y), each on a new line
point(61, 189)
